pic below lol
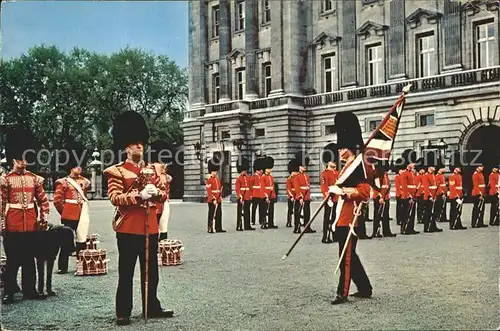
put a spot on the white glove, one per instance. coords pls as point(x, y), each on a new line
point(144, 194)
point(151, 189)
point(335, 190)
point(330, 203)
point(459, 201)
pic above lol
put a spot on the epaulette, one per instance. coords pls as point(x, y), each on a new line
point(159, 168)
point(113, 170)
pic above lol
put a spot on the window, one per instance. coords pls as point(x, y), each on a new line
point(240, 81)
point(327, 5)
point(267, 79)
point(373, 125)
point(329, 73)
point(329, 129)
point(485, 45)
point(266, 12)
point(425, 119)
point(260, 132)
point(240, 15)
point(215, 21)
point(216, 88)
point(225, 135)
point(426, 60)
point(374, 59)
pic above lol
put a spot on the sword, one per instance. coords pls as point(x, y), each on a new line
point(480, 206)
point(380, 211)
point(442, 208)
point(412, 203)
point(458, 214)
point(330, 231)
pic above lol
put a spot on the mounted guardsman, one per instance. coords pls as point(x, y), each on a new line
point(20, 190)
point(134, 188)
point(70, 200)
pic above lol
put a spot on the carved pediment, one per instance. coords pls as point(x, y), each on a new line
point(365, 28)
point(323, 39)
point(415, 18)
point(236, 53)
point(237, 57)
point(474, 7)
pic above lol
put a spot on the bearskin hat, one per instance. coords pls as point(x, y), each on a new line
point(268, 162)
point(128, 128)
point(259, 164)
point(160, 152)
point(213, 165)
point(19, 141)
point(243, 164)
point(349, 132)
point(330, 153)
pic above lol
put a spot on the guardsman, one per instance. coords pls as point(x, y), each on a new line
point(269, 194)
point(420, 190)
point(134, 187)
point(214, 198)
point(430, 190)
point(258, 191)
point(494, 192)
point(441, 195)
point(408, 200)
point(354, 192)
point(244, 196)
point(328, 178)
point(478, 194)
point(290, 192)
point(456, 195)
point(302, 184)
point(399, 191)
point(70, 201)
point(381, 201)
point(20, 190)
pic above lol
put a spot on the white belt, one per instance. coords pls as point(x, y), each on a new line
point(482, 185)
point(458, 187)
point(244, 188)
point(21, 206)
point(256, 186)
point(411, 186)
point(385, 186)
point(215, 191)
point(304, 187)
point(75, 202)
point(432, 186)
point(442, 185)
point(268, 187)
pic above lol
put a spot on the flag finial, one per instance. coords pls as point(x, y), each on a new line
point(406, 89)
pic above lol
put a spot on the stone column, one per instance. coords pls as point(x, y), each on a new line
point(251, 44)
point(277, 72)
point(197, 52)
point(294, 38)
point(348, 43)
point(397, 42)
point(452, 35)
point(224, 49)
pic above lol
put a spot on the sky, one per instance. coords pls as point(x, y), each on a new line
point(160, 27)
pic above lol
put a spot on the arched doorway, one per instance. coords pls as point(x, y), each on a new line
point(481, 147)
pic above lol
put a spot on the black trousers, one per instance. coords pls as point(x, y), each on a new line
point(361, 231)
point(131, 246)
point(298, 210)
point(270, 212)
point(398, 211)
point(62, 262)
point(328, 218)
point(20, 250)
point(218, 216)
point(494, 212)
point(262, 206)
point(430, 214)
point(455, 214)
point(350, 266)
point(478, 212)
point(440, 208)
point(290, 211)
point(420, 209)
point(381, 216)
point(408, 209)
point(243, 212)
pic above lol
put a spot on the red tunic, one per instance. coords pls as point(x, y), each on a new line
point(290, 189)
point(67, 200)
point(494, 183)
point(408, 187)
point(441, 184)
point(328, 178)
point(420, 187)
point(164, 183)
point(429, 183)
point(456, 190)
point(478, 186)
point(214, 189)
point(131, 209)
point(242, 186)
point(267, 181)
point(257, 187)
point(397, 183)
point(18, 194)
point(302, 186)
point(384, 191)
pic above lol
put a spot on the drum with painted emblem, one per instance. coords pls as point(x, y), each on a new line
point(170, 252)
point(92, 262)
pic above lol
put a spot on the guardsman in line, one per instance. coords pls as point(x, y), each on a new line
point(420, 190)
point(456, 195)
point(269, 194)
point(408, 200)
point(479, 194)
point(257, 191)
point(290, 192)
point(399, 191)
point(430, 189)
point(214, 198)
point(353, 192)
point(136, 216)
point(381, 201)
point(20, 189)
point(441, 195)
point(494, 192)
point(302, 184)
point(328, 178)
point(70, 200)
point(244, 196)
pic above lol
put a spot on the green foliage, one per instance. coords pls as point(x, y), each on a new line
point(75, 96)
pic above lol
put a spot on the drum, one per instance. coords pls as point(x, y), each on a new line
point(92, 241)
point(92, 262)
point(3, 264)
point(170, 252)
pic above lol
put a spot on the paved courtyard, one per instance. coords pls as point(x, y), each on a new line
point(238, 281)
